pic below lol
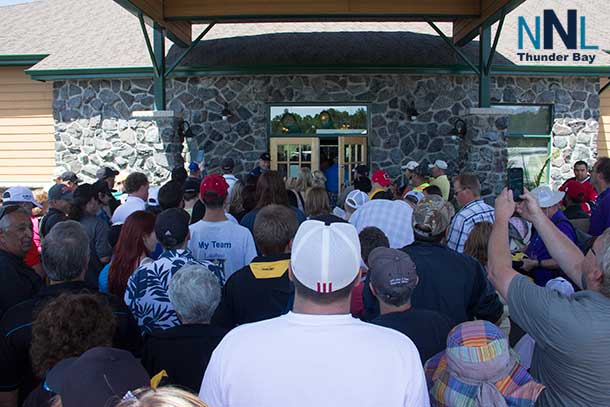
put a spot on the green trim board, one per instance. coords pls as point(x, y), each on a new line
point(189, 71)
point(21, 59)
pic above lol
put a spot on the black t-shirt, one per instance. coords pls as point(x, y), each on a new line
point(52, 217)
point(198, 211)
point(427, 329)
point(183, 351)
point(18, 282)
point(257, 292)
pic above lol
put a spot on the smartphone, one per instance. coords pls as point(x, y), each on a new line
point(515, 182)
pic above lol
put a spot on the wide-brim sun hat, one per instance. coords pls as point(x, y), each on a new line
point(478, 368)
point(546, 197)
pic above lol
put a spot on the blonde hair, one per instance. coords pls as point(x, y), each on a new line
point(235, 201)
point(162, 397)
point(477, 242)
point(291, 183)
point(42, 197)
point(305, 180)
point(316, 202)
point(319, 179)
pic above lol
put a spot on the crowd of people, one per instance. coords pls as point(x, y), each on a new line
point(231, 290)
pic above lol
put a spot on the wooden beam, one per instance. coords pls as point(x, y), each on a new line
point(287, 10)
point(178, 31)
point(465, 29)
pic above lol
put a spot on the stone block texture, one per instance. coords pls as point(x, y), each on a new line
point(93, 124)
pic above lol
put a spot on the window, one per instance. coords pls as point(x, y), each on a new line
point(318, 120)
point(529, 142)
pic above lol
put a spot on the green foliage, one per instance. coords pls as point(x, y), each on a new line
point(294, 123)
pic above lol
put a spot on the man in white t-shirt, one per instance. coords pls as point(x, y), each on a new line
point(228, 165)
point(136, 187)
point(215, 238)
point(318, 354)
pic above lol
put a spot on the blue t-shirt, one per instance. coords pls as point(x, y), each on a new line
point(332, 178)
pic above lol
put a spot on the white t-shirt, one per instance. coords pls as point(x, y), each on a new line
point(231, 180)
point(132, 204)
point(314, 360)
point(226, 244)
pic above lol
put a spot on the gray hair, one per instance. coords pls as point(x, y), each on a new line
point(194, 291)
point(603, 261)
point(65, 251)
point(5, 221)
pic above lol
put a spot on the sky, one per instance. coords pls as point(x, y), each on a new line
point(7, 2)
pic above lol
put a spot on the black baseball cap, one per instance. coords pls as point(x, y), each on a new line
point(100, 377)
point(70, 176)
point(228, 163)
point(265, 157)
point(361, 170)
point(60, 192)
point(191, 186)
point(172, 227)
point(393, 272)
point(106, 172)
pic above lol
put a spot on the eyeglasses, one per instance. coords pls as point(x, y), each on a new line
point(456, 192)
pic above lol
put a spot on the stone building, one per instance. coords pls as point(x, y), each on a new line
point(410, 86)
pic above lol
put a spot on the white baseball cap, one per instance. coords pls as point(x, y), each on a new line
point(439, 164)
point(411, 165)
point(19, 195)
point(561, 285)
point(325, 257)
point(546, 197)
point(356, 199)
point(153, 196)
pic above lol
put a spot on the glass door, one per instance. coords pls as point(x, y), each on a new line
point(352, 152)
point(289, 154)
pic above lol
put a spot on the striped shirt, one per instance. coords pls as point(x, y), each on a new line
point(463, 222)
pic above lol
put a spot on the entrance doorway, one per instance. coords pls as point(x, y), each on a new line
point(289, 154)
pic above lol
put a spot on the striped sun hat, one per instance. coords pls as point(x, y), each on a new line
point(479, 369)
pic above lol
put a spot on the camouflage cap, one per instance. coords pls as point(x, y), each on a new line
point(431, 216)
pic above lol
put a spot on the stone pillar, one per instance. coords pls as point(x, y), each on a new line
point(162, 136)
point(483, 150)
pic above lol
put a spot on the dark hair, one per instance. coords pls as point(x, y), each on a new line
point(170, 195)
point(371, 238)
point(248, 198)
point(580, 162)
point(326, 298)
point(83, 194)
point(274, 227)
point(602, 166)
point(68, 326)
point(213, 200)
point(134, 182)
point(387, 194)
point(363, 184)
point(433, 190)
point(270, 189)
point(128, 250)
point(179, 175)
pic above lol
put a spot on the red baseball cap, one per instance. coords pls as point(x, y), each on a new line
point(575, 190)
point(213, 183)
point(382, 178)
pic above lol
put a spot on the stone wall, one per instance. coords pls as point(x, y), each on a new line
point(94, 125)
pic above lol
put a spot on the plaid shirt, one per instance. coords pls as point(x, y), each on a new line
point(463, 222)
point(392, 217)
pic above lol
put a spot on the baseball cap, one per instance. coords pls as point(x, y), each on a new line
point(325, 257)
point(96, 378)
point(172, 226)
point(431, 216)
point(439, 164)
point(70, 176)
point(212, 186)
point(575, 190)
point(102, 187)
point(561, 285)
point(265, 157)
point(191, 186)
point(60, 192)
point(393, 273)
point(227, 163)
point(19, 195)
point(106, 172)
point(361, 170)
point(546, 197)
point(356, 199)
point(422, 171)
point(153, 196)
point(382, 178)
point(193, 167)
point(411, 165)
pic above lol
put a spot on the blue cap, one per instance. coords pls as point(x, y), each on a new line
point(193, 167)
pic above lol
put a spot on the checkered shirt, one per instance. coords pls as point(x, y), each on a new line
point(394, 218)
point(463, 222)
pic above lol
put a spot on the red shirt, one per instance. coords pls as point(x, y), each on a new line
point(590, 193)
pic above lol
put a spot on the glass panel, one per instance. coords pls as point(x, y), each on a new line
point(281, 152)
point(305, 152)
point(293, 152)
point(320, 120)
point(294, 170)
point(529, 119)
point(359, 155)
point(531, 154)
point(282, 169)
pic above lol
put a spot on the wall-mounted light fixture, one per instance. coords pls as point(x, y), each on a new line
point(459, 128)
point(226, 113)
point(412, 112)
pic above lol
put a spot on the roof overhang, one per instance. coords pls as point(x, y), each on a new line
point(177, 16)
